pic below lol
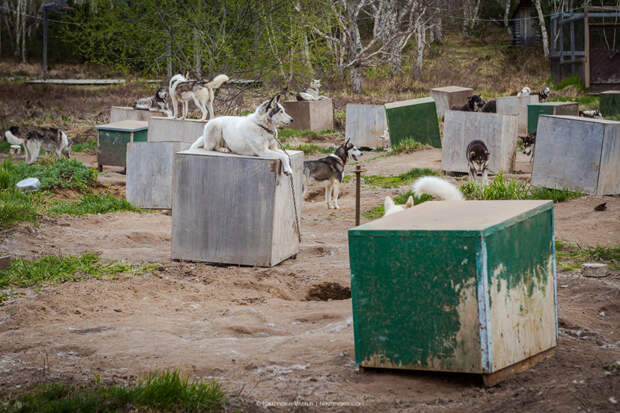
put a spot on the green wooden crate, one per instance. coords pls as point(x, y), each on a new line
point(455, 286)
point(413, 119)
point(610, 103)
point(113, 139)
point(534, 110)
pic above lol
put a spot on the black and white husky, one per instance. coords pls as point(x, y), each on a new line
point(329, 171)
point(478, 161)
point(431, 185)
point(50, 139)
point(156, 103)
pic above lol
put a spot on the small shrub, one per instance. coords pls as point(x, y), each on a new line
point(576, 255)
point(573, 80)
point(61, 174)
point(16, 206)
point(407, 146)
point(309, 148)
point(93, 204)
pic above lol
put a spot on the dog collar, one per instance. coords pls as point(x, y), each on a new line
point(271, 132)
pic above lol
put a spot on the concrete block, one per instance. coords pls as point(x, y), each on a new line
point(516, 105)
point(113, 139)
point(316, 115)
point(498, 132)
point(365, 125)
point(449, 96)
point(150, 173)
point(119, 113)
point(175, 130)
point(577, 153)
point(413, 119)
point(610, 103)
point(234, 209)
point(549, 108)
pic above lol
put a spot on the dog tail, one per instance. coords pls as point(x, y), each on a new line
point(438, 187)
point(199, 143)
point(174, 79)
point(218, 81)
point(12, 139)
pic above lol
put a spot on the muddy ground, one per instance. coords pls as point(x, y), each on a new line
point(281, 334)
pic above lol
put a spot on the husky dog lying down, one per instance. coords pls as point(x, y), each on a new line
point(312, 93)
point(156, 103)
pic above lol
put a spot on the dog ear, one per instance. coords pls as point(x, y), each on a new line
point(277, 97)
point(409, 203)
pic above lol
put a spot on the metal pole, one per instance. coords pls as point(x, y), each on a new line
point(358, 171)
point(44, 43)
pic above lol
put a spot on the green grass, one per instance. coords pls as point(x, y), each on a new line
point(91, 145)
point(62, 174)
point(407, 146)
point(309, 148)
point(4, 147)
point(572, 255)
point(53, 270)
point(399, 199)
point(502, 188)
point(287, 134)
point(395, 181)
point(163, 391)
point(573, 80)
point(92, 204)
point(585, 102)
point(16, 206)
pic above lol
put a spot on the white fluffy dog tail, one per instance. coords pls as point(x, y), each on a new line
point(200, 143)
point(174, 79)
point(218, 81)
point(438, 187)
point(12, 139)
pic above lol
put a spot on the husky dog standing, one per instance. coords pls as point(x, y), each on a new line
point(329, 171)
point(543, 95)
point(156, 103)
point(478, 161)
point(202, 92)
point(312, 93)
point(430, 185)
point(50, 139)
point(252, 135)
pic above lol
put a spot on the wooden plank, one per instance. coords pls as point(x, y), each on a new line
point(493, 379)
point(316, 115)
point(120, 113)
point(449, 96)
point(365, 125)
point(516, 105)
point(175, 130)
point(413, 119)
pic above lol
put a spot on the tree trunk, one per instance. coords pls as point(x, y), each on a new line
point(356, 79)
point(543, 29)
point(506, 15)
point(437, 29)
point(420, 36)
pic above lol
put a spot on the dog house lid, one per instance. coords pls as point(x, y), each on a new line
point(409, 102)
point(553, 104)
point(604, 121)
point(452, 89)
point(125, 126)
point(202, 152)
point(456, 216)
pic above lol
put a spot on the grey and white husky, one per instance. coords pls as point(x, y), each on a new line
point(156, 103)
point(329, 171)
point(312, 93)
point(252, 135)
point(50, 139)
point(478, 161)
point(201, 92)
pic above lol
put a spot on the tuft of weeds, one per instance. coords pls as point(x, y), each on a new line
point(399, 199)
point(407, 146)
point(572, 255)
point(93, 204)
point(159, 391)
point(573, 80)
point(91, 145)
point(309, 148)
point(395, 181)
point(286, 134)
point(16, 206)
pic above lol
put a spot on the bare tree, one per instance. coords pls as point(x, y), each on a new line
point(471, 10)
point(543, 28)
point(507, 4)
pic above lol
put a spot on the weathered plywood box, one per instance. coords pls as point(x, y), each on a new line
point(413, 119)
point(365, 125)
point(610, 103)
point(120, 113)
point(316, 115)
point(175, 130)
point(150, 173)
point(449, 96)
point(498, 132)
point(455, 286)
point(516, 105)
point(577, 153)
point(233, 209)
point(549, 108)
point(113, 139)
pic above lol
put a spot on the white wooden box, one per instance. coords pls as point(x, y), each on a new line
point(175, 130)
point(233, 209)
point(446, 97)
point(119, 113)
point(498, 132)
point(150, 173)
point(516, 105)
point(577, 153)
point(366, 125)
point(316, 115)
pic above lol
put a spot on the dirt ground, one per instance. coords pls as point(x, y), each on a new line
point(263, 333)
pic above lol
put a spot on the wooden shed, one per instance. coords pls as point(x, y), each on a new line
point(524, 25)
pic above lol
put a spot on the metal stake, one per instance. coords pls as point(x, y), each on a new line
point(358, 171)
point(44, 43)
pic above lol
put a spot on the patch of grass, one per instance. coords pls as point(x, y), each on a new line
point(91, 145)
point(399, 199)
point(588, 102)
point(93, 204)
point(501, 188)
point(573, 80)
point(407, 146)
point(4, 147)
point(16, 206)
point(575, 255)
point(61, 174)
point(53, 270)
point(162, 391)
point(309, 148)
point(395, 181)
point(286, 134)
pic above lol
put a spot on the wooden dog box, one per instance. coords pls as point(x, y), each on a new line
point(549, 108)
point(233, 209)
point(365, 125)
point(150, 173)
point(449, 96)
point(516, 105)
point(498, 132)
point(577, 153)
point(315, 115)
point(113, 139)
point(455, 286)
point(610, 103)
point(175, 130)
point(120, 113)
point(413, 119)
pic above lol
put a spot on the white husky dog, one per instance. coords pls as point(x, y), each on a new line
point(252, 135)
point(526, 91)
point(201, 92)
point(430, 185)
point(312, 93)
